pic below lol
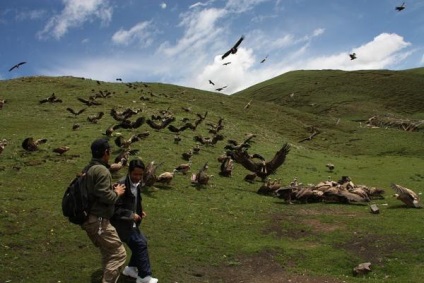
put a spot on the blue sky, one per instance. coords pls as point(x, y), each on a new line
point(181, 42)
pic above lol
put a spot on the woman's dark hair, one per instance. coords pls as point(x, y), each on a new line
point(136, 163)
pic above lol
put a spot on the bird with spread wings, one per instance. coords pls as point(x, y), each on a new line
point(233, 49)
point(17, 66)
point(401, 7)
point(262, 168)
point(407, 196)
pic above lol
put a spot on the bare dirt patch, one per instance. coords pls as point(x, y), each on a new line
point(258, 268)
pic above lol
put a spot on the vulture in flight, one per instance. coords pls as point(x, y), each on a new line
point(127, 124)
point(401, 7)
point(407, 196)
point(262, 168)
point(121, 142)
point(211, 82)
point(352, 56)
point(186, 126)
point(89, 102)
point(51, 99)
point(17, 66)
point(233, 49)
point(76, 113)
point(163, 123)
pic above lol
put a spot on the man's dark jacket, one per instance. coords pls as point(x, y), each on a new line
point(125, 207)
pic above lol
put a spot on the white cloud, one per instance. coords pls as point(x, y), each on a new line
point(382, 52)
point(200, 30)
point(163, 5)
point(245, 70)
point(30, 15)
point(241, 6)
point(75, 14)
point(139, 33)
point(199, 4)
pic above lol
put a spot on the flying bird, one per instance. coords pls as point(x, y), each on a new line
point(163, 124)
point(401, 7)
point(407, 196)
point(226, 63)
point(89, 102)
point(352, 56)
point(220, 88)
point(76, 113)
point(17, 66)
point(51, 99)
point(95, 118)
point(127, 124)
point(211, 82)
point(263, 60)
point(186, 126)
point(262, 168)
point(248, 104)
point(233, 49)
point(121, 142)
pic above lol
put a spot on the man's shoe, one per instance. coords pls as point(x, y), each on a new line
point(130, 271)
point(147, 279)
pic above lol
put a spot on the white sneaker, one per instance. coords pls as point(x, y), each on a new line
point(147, 279)
point(130, 271)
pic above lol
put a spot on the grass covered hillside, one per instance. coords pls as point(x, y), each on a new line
point(339, 104)
point(346, 94)
point(223, 231)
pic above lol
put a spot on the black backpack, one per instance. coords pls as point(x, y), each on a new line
point(75, 204)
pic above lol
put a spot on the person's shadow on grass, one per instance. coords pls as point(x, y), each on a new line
point(96, 277)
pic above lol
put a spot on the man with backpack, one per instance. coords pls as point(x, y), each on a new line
point(102, 196)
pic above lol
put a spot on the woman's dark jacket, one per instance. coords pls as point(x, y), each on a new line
point(125, 207)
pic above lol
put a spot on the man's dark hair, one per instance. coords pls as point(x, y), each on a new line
point(98, 148)
point(136, 163)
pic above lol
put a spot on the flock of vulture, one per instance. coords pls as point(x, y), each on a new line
point(235, 152)
point(163, 120)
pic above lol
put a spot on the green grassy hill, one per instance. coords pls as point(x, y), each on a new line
point(345, 94)
point(222, 232)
